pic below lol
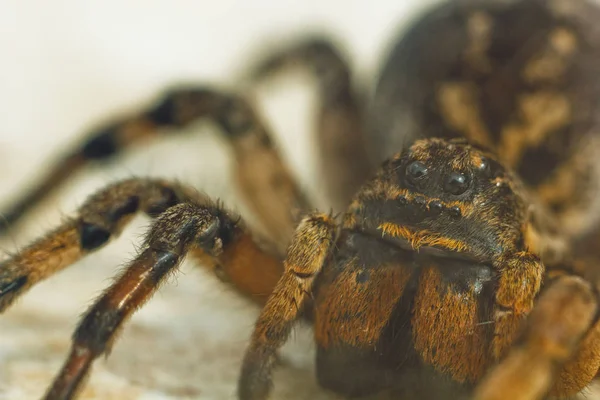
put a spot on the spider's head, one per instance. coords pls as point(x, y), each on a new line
point(443, 195)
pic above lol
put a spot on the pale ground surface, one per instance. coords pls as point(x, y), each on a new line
point(68, 64)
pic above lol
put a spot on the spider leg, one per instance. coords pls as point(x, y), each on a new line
point(518, 286)
point(262, 175)
point(559, 327)
point(306, 255)
point(175, 233)
point(343, 156)
point(104, 215)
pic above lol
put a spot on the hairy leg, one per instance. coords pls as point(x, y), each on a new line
point(308, 251)
point(341, 144)
point(104, 215)
point(182, 228)
point(263, 177)
point(557, 353)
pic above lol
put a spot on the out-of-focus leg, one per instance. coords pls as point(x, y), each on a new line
point(340, 135)
point(262, 175)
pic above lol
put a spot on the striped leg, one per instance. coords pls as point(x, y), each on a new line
point(263, 177)
point(103, 216)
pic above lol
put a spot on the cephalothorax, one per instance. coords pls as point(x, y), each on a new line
point(464, 263)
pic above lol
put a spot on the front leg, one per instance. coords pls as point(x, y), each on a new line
point(184, 228)
point(99, 220)
point(307, 254)
point(171, 237)
point(520, 278)
point(106, 213)
point(559, 351)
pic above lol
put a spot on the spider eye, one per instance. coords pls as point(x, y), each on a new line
point(484, 167)
point(415, 171)
point(456, 183)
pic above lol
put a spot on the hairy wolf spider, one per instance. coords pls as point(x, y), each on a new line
point(448, 276)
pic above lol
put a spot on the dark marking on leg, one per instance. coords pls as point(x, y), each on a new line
point(130, 206)
point(165, 261)
point(7, 287)
point(102, 144)
point(164, 113)
point(168, 198)
point(92, 236)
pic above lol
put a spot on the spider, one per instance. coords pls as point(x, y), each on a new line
point(462, 265)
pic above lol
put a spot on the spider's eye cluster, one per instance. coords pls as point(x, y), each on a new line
point(455, 183)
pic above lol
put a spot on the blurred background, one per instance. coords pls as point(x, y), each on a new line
point(67, 66)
